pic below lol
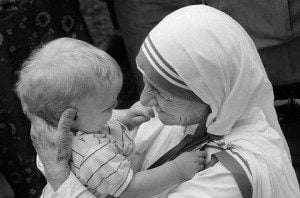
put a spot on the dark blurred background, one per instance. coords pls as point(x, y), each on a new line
point(106, 36)
point(25, 25)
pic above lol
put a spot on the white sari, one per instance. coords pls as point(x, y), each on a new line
point(218, 61)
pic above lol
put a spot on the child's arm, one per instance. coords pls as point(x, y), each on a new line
point(136, 115)
point(119, 113)
point(154, 181)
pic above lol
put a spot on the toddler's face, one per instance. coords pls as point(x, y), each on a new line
point(96, 110)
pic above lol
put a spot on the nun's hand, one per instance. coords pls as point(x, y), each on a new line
point(53, 146)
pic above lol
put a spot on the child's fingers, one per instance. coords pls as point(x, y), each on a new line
point(140, 119)
point(147, 112)
point(200, 154)
point(200, 161)
point(201, 167)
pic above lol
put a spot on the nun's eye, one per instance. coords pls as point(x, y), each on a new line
point(153, 92)
point(166, 96)
point(151, 88)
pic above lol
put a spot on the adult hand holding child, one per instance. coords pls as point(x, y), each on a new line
point(54, 146)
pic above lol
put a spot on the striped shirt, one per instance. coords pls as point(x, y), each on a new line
point(102, 161)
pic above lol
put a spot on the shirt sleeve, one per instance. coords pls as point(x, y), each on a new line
point(105, 171)
point(71, 188)
point(125, 141)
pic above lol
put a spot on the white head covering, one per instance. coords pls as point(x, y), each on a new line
point(201, 49)
point(218, 61)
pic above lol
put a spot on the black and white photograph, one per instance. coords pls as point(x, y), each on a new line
point(149, 98)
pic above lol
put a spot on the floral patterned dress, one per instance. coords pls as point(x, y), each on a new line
point(21, 30)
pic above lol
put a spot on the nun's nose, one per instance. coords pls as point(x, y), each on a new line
point(147, 98)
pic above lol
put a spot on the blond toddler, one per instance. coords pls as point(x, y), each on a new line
point(68, 73)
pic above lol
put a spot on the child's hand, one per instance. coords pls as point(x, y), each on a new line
point(138, 114)
point(189, 163)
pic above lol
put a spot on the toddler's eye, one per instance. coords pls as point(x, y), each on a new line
point(114, 105)
point(108, 109)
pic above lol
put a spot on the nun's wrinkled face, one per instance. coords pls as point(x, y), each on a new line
point(173, 110)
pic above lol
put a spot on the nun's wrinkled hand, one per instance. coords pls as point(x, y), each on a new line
point(53, 146)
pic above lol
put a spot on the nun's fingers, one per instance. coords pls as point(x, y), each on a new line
point(43, 142)
point(62, 134)
point(66, 120)
point(39, 129)
point(59, 139)
point(41, 134)
point(53, 145)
